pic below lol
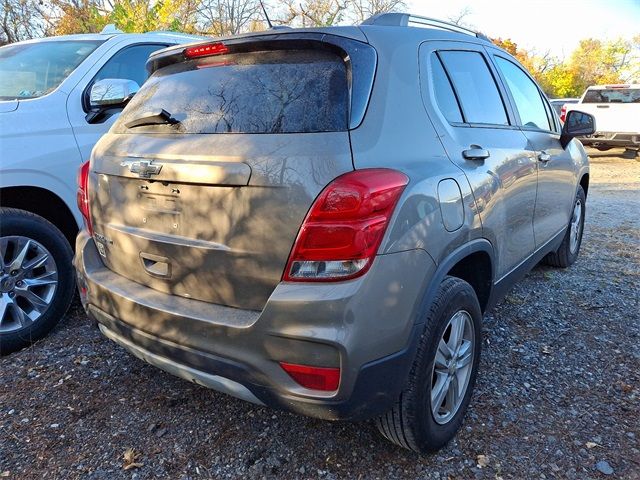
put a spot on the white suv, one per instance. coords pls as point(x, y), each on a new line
point(57, 97)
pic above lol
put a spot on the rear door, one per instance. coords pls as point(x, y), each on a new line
point(557, 173)
point(480, 136)
point(209, 205)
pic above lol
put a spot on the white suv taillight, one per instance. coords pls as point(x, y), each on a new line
point(344, 227)
point(83, 195)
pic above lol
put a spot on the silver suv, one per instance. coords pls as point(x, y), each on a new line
point(317, 219)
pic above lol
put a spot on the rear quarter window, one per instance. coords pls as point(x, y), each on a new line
point(285, 91)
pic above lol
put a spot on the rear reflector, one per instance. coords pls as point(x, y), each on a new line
point(207, 50)
point(82, 195)
point(314, 378)
point(344, 228)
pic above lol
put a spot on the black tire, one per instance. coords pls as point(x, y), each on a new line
point(22, 223)
point(410, 423)
point(603, 149)
point(564, 256)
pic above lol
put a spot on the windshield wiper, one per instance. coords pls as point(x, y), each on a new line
point(160, 117)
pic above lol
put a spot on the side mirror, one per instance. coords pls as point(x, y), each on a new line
point(577, 124)
point(112, 92)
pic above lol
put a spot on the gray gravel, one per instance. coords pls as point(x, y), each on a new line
point(557, 395)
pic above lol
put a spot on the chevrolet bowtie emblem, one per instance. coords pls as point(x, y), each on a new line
point(143, 168)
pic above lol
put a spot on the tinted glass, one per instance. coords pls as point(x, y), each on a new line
point(30, 70)
point(525, 94)
point(475, 87)
point(128, 64)
point(260, 92)
point(444, 93)
point(612, 95)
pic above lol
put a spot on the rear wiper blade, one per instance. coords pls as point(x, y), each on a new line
point(159, 117)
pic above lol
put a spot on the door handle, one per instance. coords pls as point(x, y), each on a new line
point(544, 157)
point(476, 152)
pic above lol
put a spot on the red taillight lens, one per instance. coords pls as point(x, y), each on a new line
point(207, 50)
point(315, 378)
point(563, 113)
point(83, 195)
point(343, 230)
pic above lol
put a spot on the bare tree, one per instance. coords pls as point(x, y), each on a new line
point(313, 13)
point(458, 19)
point(363, 9)
point(21, 20)
point(228, 17)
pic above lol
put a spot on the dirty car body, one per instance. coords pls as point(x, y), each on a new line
point(193, 255)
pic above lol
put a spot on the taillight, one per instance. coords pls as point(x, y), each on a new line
point(344, 227)
point(315, 378)
point(83, 195)
point(563, 113)
point(207, 50)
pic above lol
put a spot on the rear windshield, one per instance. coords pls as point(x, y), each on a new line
point(286, 91)
point(612, 95)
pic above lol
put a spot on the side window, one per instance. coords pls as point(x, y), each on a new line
point(475, 87)
point(525, 94)
point(445, 97)
point(128, 64)
point(551, 116)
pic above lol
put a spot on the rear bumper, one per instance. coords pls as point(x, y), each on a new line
point(612, 139)
point(367, 327)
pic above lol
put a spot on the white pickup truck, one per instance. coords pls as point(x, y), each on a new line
point(617, 112)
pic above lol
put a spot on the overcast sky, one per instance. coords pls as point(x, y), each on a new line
point(554, 25)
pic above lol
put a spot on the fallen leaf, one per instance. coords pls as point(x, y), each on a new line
point(130, 458)
point(546, 350)
point(482, 461)
point(591, 444)
point(6, 473)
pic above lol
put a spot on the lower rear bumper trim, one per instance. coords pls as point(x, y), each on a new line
point(214, 382)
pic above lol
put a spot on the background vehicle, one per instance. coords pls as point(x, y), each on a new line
point(48, 126)
point(617, 112)
point(558, 103)
point(305, 219)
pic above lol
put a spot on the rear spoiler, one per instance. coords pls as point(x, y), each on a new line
point(358, 57)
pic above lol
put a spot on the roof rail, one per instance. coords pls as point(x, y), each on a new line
point(409, 20)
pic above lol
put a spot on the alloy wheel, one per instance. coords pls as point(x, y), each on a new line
point(576, 227)
point(452, 367)
point(28, 282)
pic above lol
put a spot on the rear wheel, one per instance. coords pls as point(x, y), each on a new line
point(431, 408)
point(569, 249)
point(36, 278)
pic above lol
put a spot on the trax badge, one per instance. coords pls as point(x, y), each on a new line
point(143, 168)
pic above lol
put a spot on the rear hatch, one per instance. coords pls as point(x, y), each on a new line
point(201, 186)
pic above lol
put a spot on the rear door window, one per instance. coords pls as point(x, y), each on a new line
point(283, 91)
point(475, 87)
point(526, 95)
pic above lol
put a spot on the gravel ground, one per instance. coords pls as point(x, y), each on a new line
point(558, 395)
